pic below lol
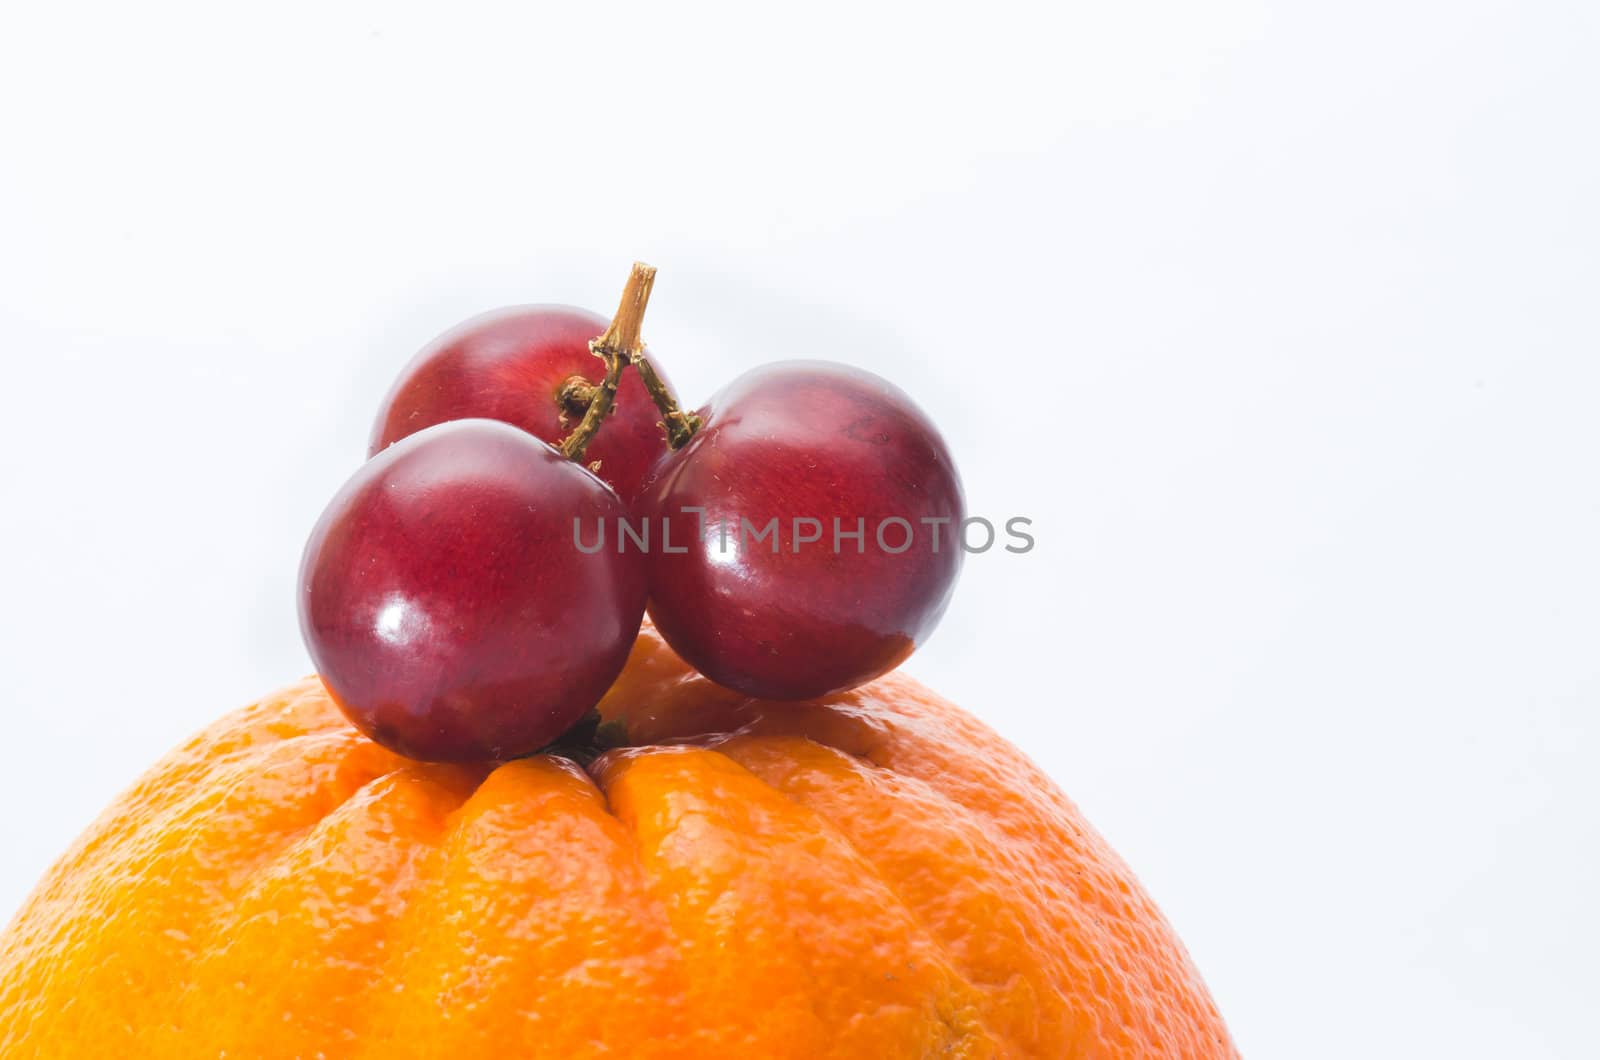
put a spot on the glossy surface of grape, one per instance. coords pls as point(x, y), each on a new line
point(861, 504)
point(511, 365)
point(446, 605)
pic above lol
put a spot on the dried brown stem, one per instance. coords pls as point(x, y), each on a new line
point(680, 425)
point(620, 347)
point(617, 347)
point(573, 397)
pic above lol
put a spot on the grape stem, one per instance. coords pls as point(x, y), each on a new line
point(680, 426)
point(619, 347)
point(573, 397)
point(616, 348)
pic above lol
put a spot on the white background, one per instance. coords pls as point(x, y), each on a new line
point(1296, 305)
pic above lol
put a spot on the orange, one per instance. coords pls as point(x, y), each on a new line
point(872, 875)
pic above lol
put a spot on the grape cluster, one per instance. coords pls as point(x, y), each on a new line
point(533, 487)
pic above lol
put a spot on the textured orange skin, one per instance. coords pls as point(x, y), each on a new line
point(874, 875)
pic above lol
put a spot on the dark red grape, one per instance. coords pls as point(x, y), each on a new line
point(808, 608)
point(514, 365)
point(446, 605)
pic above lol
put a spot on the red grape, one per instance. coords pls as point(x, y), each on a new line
point(446, 605)
point(512, 365)
point(788, 615)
